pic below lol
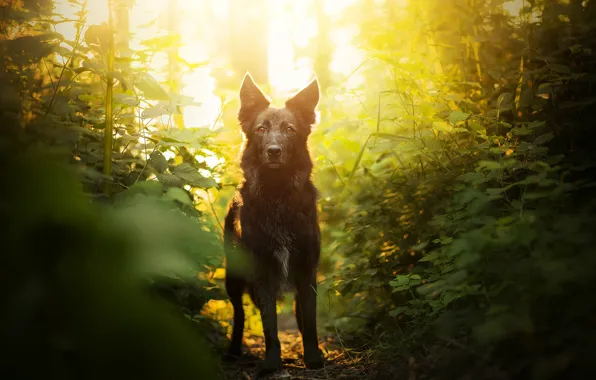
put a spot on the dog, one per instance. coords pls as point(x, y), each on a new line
point(273, 219)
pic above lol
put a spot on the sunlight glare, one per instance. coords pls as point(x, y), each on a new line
point(284, 76)
point(292, 27)
point(334, 7)
point(513, 6)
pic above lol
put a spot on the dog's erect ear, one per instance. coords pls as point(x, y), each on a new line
point(305, 101)
point(252, 100)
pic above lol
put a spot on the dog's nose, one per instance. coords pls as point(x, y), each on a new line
point(274, 151)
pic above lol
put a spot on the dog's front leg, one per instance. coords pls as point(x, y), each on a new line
point(306, 299)
point(265, 294)
point(235, 287)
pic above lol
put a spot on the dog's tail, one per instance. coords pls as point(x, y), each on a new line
point(237, 261)
point(232, 228)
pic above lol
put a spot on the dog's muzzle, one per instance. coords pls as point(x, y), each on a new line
point(274, 151)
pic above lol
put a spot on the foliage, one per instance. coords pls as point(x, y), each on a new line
point(57, 90)
point(82, 269)
point(75, 277)
point(469, 214)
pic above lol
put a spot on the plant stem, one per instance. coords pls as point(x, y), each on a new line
point(107, 149)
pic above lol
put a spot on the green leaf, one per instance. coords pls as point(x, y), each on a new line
point(190, 175)
point(490, 165)
point(544, 90)
point(560, 68)
point(446, 240)
point(504, 101)
point(182, 101)
point(448, 297)
point(100, 125)
point(421, 246)
point(150, 87)
point(495, 192)
point(392, 137)
point(457, 117)
point(155, 111)
point(543, 139)
point(98, 35)
point(431, 257)
point(92, 65)
point(65, 52)
point(178, 194)
point(62, 107)
point(473, 177)
point(521, 131)
point(119, 77)
point(359, 157)
point(126, 99)
point(400, 280)
point(170, 180)
point(525, 146)
point(398, 310)
point(27, 49)
point(158, 161)
point(536, 124)
point(82, 69)
point(162, 42)
point(347, 288)
point(151, 188)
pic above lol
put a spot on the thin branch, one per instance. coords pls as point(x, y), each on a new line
point(215, 213)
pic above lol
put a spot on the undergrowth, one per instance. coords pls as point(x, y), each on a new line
point(469, 241)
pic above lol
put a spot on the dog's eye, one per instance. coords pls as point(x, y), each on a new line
point(290, 130)
point(261, 130)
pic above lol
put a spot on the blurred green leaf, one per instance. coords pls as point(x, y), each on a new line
point(158, 161)
point(177, 194)
point(543, 138)
point(457, 117)
point(150, 87)
point(190, 175)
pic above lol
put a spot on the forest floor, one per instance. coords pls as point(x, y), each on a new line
point(340, 362)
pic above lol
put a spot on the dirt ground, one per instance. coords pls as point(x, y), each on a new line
point(343, 360)
point(340, 363)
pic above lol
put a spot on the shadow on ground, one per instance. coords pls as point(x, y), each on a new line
point(339, 363)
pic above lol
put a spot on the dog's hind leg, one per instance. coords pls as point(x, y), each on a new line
point(235, 288)
point(298, 313)
point(265, 296)
point(306, 313)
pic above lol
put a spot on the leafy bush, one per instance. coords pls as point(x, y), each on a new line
point(82, 270)
point(470, 216)
point(76, 297)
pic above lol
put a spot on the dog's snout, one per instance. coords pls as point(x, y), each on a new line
point(274, 150)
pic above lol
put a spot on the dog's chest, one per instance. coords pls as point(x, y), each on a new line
point(270, 229)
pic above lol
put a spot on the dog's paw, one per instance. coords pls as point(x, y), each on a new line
point(268, 367)
point(232, 355)
point(314, 360)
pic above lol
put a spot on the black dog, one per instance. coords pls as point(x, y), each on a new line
point(273, 218)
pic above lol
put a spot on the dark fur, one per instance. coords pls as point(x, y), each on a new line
point(273, 218)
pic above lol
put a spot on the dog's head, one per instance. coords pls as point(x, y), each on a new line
point(276, 135)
